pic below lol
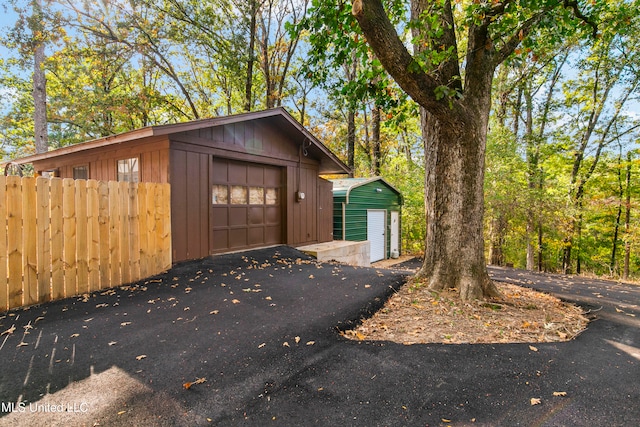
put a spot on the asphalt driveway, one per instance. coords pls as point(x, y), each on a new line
point(253, 339)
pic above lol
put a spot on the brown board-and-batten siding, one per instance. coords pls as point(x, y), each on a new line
point(152, 153)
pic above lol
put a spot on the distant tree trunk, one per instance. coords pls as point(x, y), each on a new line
point(497, 233)
point(351, 140)
point(376, 152)
point(616, 226)
point(248, 97)
point(39, 84)
point(627, 219)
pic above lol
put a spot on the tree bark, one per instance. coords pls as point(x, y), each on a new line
point(39, 90)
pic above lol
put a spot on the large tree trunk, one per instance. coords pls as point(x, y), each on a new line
point(454, 203)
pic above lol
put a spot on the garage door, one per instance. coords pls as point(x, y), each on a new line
point(376, 233)
point(246, 200)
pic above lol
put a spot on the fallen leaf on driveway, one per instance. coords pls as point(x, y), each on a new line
point(262, 345)
point(9, 331)
point(311, 342)
point(532, 348)
point(535, 401)
point(285, 344)
point(297, 339)
point(559, 393)
point(142, 356)
point(214, 312)
point(188, 385)
point(235, 301)
point(113, 343)
point(125, 323)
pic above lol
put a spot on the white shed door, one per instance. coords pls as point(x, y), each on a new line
point(376, 221)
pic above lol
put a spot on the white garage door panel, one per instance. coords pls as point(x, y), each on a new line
point(376, 234)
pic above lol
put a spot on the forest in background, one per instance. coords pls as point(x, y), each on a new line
point(561, 190)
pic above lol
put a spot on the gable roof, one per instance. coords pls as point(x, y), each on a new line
point(344, 186)
point(329, 162)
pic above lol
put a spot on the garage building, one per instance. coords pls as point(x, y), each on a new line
point(237, 182)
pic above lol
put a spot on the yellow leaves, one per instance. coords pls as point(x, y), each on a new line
point(532, 348)
point(214, 312)
point(262, 345)
point(559, 393)
point(142, 356)
point(535, 401)
point(235, 301)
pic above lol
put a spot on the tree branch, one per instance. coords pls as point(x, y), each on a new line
point(396, 59)
point(573, 5)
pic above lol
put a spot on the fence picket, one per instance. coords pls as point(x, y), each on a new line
point(82, 237)
point(57, 239)
point(142, 226)
point(114, 233)
point(93, 235)
point(134, 233)
point(29, 237)
point(70, 237)
point(103, 224)
point(14, 240)
point(44, 239)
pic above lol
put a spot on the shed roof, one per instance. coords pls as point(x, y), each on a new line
point(346, 185)
point(329, 162)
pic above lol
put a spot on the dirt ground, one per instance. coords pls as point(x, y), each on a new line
point(415, 315)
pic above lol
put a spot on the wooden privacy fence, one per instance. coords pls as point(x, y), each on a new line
point(65, 237)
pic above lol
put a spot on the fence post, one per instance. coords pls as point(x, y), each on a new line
point(4, 276)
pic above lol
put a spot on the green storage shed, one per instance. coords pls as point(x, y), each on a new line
point(368, 209)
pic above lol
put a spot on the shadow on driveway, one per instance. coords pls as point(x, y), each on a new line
point(256, 334)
